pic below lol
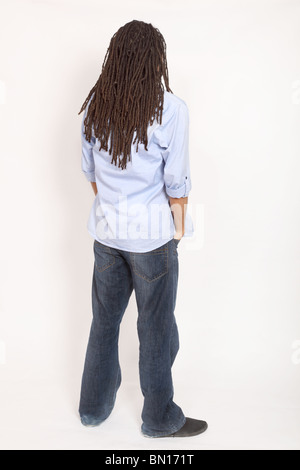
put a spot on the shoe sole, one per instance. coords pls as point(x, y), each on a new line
point(196, 433)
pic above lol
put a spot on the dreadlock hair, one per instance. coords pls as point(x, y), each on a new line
point(128, 95)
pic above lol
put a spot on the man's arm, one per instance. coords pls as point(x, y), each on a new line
point(94, 186)
point(178, 208)
point(177, 169)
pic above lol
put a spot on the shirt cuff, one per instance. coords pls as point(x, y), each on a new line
point(182, 191)
point(90, 176)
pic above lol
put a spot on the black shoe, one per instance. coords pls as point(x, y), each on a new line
point(192, 427)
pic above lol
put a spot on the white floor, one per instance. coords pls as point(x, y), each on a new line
point(43, 415)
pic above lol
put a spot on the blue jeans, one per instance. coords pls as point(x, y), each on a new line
point(154, 277)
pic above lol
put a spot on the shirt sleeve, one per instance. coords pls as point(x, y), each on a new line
point(176, 156)
point(87, 157)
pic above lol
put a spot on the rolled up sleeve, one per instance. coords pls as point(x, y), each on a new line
point(177, 176)
point(87, 157)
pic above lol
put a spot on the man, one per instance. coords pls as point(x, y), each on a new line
point(137, 221)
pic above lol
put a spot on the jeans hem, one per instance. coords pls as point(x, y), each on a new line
point(172, 430)
point(92, 421)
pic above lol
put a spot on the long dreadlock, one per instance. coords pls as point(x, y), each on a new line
point(128, 95)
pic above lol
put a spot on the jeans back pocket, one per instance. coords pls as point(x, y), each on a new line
point(103, 256)
point(151, 265)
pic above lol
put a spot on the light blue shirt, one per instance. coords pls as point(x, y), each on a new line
point(131, 210)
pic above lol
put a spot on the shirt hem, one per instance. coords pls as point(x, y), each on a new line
point(160, 242)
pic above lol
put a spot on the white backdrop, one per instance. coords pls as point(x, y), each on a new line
point(236, 64)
